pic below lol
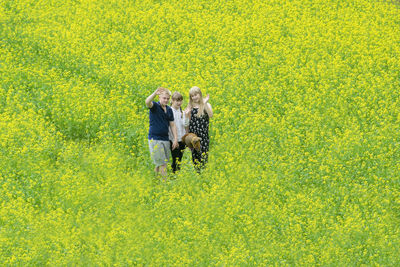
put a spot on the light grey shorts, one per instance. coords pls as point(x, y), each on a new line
point(159, 151)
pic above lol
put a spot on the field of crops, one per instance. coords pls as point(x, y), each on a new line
point(305, 140)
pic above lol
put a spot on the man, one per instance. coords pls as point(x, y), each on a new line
point(161, 117)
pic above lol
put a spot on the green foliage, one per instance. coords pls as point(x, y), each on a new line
point(304, 155)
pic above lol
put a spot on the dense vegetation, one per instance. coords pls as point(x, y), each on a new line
point(304, 157)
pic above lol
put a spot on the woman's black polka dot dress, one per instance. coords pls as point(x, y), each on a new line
point(199, 126)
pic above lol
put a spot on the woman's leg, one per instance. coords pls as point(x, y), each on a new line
point(196, 158)
point(202, 156)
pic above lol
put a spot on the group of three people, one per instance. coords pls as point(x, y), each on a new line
point(168, 124)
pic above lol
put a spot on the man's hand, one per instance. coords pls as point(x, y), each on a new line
point(158, 91)
point(149, 99)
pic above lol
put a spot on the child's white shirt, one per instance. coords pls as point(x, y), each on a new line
point(179, 119)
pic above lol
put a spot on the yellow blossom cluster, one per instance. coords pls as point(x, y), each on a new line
point(304, 155)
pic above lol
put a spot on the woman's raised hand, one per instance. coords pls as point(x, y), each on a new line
point(205, 99)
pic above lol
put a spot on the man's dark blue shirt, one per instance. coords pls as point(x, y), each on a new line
point(159, 122)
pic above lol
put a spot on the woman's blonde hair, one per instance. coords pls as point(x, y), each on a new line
point(196, 90)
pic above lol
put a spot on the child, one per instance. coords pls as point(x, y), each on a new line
point(161, 118)
point(179, 119)
point(199, 112)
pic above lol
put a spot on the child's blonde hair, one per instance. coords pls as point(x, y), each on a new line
point(164, 91)
point(196, 90)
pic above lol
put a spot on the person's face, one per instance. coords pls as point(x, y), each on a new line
point(195, 98)
point(164, 99)
point(177, 103)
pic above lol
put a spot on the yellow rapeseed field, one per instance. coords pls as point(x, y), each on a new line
point(304, 156)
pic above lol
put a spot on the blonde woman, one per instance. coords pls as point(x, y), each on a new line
point(199, 113)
